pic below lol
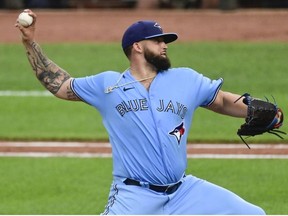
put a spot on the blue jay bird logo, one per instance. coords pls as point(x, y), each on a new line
point(178, 132)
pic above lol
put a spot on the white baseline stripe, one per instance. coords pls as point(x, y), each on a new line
point(54, 144)
point(50, 154)
point(106, 144)
point(240, 145)
point(237, 156)
point(9, 93)
point(107, 155)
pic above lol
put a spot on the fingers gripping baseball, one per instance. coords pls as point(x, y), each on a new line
point(27, 31)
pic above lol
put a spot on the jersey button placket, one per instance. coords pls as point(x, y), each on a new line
point(153, 105)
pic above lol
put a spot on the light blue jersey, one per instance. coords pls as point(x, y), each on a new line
point(148, 132)
point(148, 129)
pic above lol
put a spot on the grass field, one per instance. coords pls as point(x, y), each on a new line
point(257, 68)
point(80, 186)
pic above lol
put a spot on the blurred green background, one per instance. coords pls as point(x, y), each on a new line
point(257, 68)
point(62, 186)
point(81, 185)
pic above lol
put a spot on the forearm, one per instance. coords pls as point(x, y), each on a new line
point(233, 108)
point(52, 77)
point(225, 104)
point(47, 72)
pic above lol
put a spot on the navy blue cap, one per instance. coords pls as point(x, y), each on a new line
point(143, 30)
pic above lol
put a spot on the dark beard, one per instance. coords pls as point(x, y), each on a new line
point(159, 62)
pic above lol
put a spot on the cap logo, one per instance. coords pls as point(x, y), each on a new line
point(157, 26)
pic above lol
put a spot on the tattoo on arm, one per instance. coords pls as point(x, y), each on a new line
point(53, 81)
point(71, 95)
point(47, 72)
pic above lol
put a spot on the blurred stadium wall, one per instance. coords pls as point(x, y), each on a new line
point(171, 4)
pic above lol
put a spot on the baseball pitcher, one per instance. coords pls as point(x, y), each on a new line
point(148, 110)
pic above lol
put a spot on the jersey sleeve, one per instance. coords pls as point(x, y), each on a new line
point(210, 89)
point(203, 89)
point(91, 89)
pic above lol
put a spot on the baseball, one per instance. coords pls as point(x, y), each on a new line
point(25, 19)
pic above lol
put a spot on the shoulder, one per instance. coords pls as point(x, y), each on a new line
point(96, 81)
point(100, 76)
point(94, 86)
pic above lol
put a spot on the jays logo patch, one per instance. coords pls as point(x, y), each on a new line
point(178, 132)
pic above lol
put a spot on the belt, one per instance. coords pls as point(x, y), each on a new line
point(169, 189)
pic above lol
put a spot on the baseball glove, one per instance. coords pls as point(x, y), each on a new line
point(262, 117)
